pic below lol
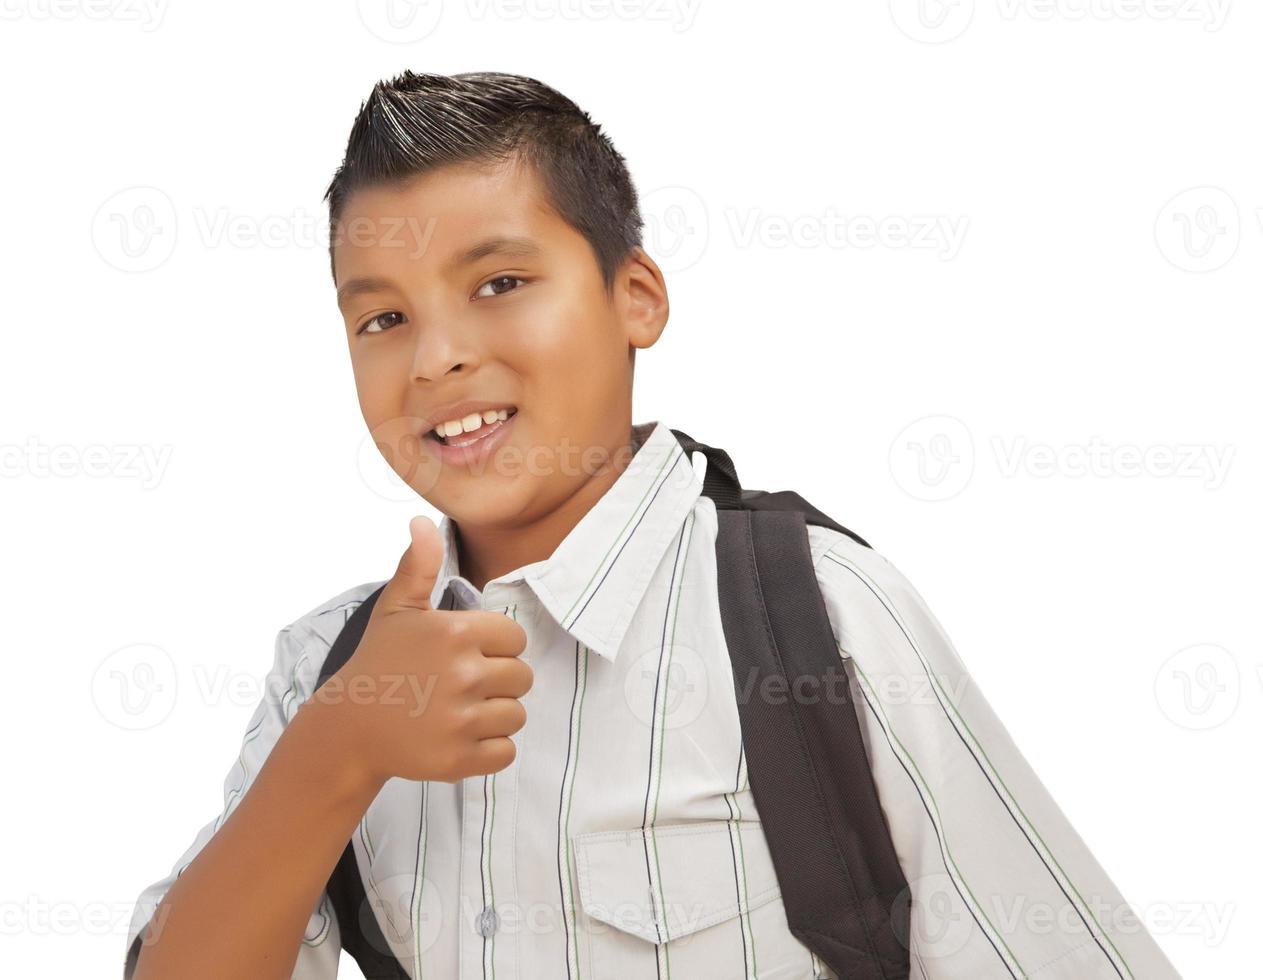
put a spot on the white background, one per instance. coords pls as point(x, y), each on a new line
point(1049, 219)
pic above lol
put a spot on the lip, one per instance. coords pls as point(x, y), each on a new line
point(475, 453)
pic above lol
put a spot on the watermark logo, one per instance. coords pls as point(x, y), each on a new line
point(409, 472)
point(667, 688)
point(1199, 229)
point(135, 687)
point(409, 910)
point(932, 21)
point(677, 226)
point(933, 458)
point(134, 230)
point(400, 21)
point(1199, 687)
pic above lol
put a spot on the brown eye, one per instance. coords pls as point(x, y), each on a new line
point(498, 280)
point(377, 319)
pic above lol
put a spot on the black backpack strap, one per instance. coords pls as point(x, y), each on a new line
point(362, 935)
point(722, 486)
point(789, 500)
point(845, 894)
point(720, 482)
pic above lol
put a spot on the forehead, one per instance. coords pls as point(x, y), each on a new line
point(433, 217)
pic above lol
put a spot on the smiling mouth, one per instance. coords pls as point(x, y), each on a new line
point(459, 440)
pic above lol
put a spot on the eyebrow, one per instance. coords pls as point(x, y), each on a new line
point(521, 247)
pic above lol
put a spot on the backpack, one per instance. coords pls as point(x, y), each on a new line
point(844, 892)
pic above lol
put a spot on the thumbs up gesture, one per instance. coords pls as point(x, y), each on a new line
point(429, 693)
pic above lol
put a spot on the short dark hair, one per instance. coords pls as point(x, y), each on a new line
point(414, 123)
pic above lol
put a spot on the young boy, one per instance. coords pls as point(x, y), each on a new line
point(535, 750)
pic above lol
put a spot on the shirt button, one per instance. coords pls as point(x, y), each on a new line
point(488, 922)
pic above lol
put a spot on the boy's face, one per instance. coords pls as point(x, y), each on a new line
point(530, 329)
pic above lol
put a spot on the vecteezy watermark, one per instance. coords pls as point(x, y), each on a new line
point(678, 229)
point(1199, 687)
point(932, 21)
point(143, 463)
point(134, 230)
point(409, 21)
point(36, 915)
point(667, 687)
point(679, 14)
point(942, 234)
point(412, 690)
point(400, 21)
point(1016, 456)
point(835, 686)
point(135, 686)
point(1199, 229)
point(677, 226)
point(1210, 14)
point(415, 465)
point(933, 459)
point(943, 923)
point(138, 228)
point(409, 907)
point(937, 21)
point(552, 918)
point(147, 13)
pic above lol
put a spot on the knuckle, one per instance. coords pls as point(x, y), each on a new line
point(458, 628)
point(465, 674)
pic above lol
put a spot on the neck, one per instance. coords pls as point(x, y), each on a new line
point(486, 553)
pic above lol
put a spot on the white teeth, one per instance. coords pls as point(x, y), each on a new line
point(470, 422)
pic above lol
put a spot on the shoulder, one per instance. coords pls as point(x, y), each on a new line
point(869, 599)
point(303, 643)
point(322, 623)
point(842, 563)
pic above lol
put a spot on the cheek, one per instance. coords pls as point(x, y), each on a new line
point(380, 402)
point(568, 343)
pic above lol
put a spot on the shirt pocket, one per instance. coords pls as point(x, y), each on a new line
point(696, 899)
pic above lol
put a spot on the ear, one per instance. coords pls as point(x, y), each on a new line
point(641, 295)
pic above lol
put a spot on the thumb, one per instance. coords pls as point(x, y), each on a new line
point(418, 569)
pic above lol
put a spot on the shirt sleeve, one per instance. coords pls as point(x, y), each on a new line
point(290, 681)
point(1002, 885)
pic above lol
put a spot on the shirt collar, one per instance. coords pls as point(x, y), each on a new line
point(593, 582)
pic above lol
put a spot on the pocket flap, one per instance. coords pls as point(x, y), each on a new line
point(703, 873)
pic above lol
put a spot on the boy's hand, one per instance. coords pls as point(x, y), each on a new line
point(430, 693)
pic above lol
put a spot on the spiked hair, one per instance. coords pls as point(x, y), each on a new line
point(414, 123)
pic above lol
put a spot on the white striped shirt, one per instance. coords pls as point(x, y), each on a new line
point(623, 842)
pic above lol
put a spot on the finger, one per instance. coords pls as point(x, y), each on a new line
point(507, 677)
point(500, 636)
point(498, 716)
point(492, 754)
point(413, 582)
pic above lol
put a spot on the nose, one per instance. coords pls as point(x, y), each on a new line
point(439, 352)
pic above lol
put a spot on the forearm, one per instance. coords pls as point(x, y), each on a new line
point(241, 907)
